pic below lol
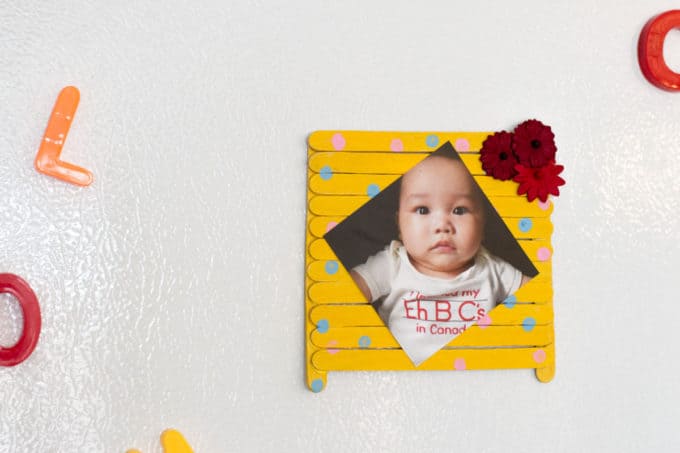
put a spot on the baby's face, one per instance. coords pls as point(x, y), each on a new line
point(441, 220)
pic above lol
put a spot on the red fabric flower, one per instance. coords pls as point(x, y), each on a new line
point(539, 182)
point(496, 156)
point(534, 144)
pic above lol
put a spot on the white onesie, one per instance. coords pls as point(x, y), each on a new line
point(425, 313)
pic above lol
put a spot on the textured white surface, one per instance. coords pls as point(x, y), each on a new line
point(171, 289)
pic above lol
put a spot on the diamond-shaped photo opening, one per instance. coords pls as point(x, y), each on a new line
point(431, 253)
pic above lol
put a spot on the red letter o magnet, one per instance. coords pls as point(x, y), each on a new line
point(16, 286)
point(650, 51)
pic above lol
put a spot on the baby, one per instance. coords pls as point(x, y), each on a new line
point(439, 279)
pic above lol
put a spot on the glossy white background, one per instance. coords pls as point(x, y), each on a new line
point(172, 288)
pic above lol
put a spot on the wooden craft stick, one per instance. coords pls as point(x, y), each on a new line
point(367, 141)
point(520, 227)
point(361, 184)
point(446, 359)
point(377, 163)
point(475, 336)
point(365, 315)
point(347, 292)
point(344, 205)
point(536, 250)
point(333, 271)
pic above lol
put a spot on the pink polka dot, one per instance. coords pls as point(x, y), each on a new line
point(397, 145)
point(330, 226)
point(484, 322)
point(462, 145)
point(539, 356)
point(545, 205)
point(338, 141)
point(459, 364)
point(543, 254)
point(332, 343)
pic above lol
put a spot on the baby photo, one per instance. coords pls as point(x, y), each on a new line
point(431, 254)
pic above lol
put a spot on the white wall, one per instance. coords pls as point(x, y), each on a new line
point(172, 288)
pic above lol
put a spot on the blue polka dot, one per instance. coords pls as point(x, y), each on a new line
point(331, 267)
point(326, 173)
point(317, 385)
point(432, 140)
point(528, 324)
point(364, 341)
point(525, 225)
point(322, 325)
point(372, 190)
point(510, 301)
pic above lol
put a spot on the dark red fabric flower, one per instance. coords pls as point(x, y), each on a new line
point(539, 182)
point(534, 144)
point(496, 156)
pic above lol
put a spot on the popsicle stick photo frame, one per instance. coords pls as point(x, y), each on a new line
point(429, 251)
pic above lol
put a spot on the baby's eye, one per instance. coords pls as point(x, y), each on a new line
point(422, 210)
point(460, 210)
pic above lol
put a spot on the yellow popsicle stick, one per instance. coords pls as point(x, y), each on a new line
point(535, 291)
point(539, 250)
point(360, 141)
point(320, 225)
point(329, 164)
point(358, 184)
point(344, 315)
point(446, 359)
point(316, 379)
point(365, 315)
point(320, 250)
point(547, 373)
point(335, 293)
point(541, 227)
point(322, 271)
point(318, 271)
point(344, 205)
point(380, 337)
point(349, 183)
point(345, 291)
